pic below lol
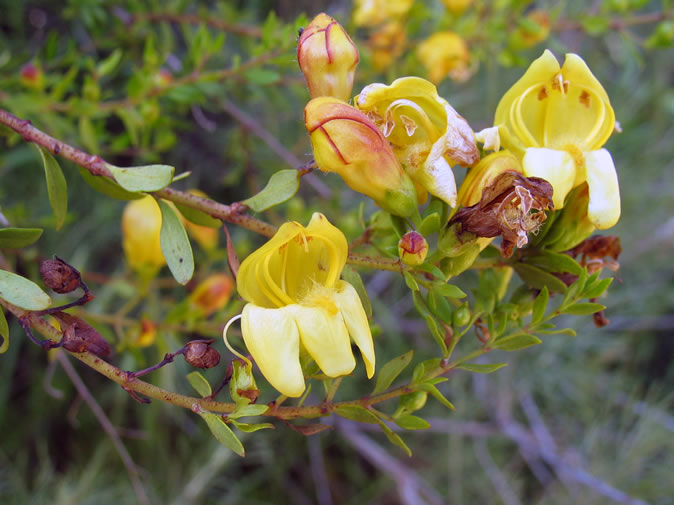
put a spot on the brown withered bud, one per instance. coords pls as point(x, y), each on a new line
point(512, 206)
point(60, 276)
point(595, 250)
point(80, 336)
point(200, 354)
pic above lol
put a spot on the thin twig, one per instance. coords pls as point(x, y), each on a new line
point(220, 24)
point(320, 476)
point(107, 427)
point(494, 474)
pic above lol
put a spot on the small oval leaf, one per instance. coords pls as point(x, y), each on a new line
point(57, 188)
point(222, 432)
point(199, 383)
point(485, 368)
point(4, 333)
point(390, 371)
point(21, 292)
point(410, 422)
point(175, 245)
point(108, 187)
point(516, 342)
point(15, 238)
point(198, 217)
point(281, 187)
point(539, 278)
point(583, 309)
point(144, 178)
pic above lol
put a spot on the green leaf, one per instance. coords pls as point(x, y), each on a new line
point(410, 422)
point(350, 275)
point(106, 66)
point(411, 281)
point(561, 331)
point(144, 178)
point(199, 383)
point(175, 245)
point(390, 371)
point(583, 308)
point(222, 432)
point(540, 304)
point(539, 278)
point(516, 342)
point(420, 304)
point(281, 187)
point(575, 289)
point(250, 428)
point(57, 188)
point(556, 262)
point(595, 25)
point(198, 217)
point(108, 187)
point(597, 288)
point(435, 393)
point(15, 238)
point(356, 413)
point(438, 336)
point(431, 224)
point(392, 437)
point(248, 411)
point(486, 368)
point(440, 307)
point(261, 76)
point(21, 292)
point(449, 290)
point(4, 333)
point(418, 373)
point(431, 269)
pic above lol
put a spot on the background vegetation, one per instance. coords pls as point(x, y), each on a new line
point(588, 419)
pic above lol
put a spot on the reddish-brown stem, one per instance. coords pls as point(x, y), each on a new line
point(247, 30)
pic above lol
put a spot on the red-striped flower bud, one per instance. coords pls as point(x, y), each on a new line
point(413, 248)
point(345, 141)
point(327, 58)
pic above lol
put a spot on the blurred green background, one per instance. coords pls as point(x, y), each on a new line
point(588, 419)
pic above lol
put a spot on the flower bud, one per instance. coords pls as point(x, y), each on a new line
point(200, 354)
point(60, 276)
point(377, 12)
point(242, 386)
point(212, 294)
point(327, 58)
point(387, 44)
point(345, 141)
point(32, 76)
point(413, 401)
point(413, 248)
point(532, 29)
point(141, 225)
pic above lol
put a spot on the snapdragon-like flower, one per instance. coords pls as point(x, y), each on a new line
point(557, 120)
point(426, 133)
point(297, 303)
point(141, 224)
point(327, 57)
point(345, 141)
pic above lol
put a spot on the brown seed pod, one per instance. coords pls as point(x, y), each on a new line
point(200, 354)
point(60, 276)
point(80, 336)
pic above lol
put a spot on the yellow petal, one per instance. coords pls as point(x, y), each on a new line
point(321, 228)
point(602, 181)
point(556, 167)
point(348, 302)
point(272, 338)
point(538, 73)
point(324, 336)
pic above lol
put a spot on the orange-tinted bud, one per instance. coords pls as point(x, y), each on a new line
point(147, 334)
point(141, 225)
point(212, 294)
point(32, 76)
point(345, 141)
point(327, 58)
point(163, 78)
point(413, 248)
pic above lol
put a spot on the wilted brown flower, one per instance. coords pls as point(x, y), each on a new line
point(512, 206)
point(200, 354)
point(594, 251)
point(60, 276)
point(80, 336)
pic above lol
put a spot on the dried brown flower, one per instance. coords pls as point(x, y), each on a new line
point(200, 354)
point(80, 336)
point(512, 206)
point(60, 276)
point(594, 251)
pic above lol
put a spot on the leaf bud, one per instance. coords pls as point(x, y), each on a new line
point(461, 316)
point(413, 248)
point(200, 354)
point(60, 276)
point(327, 58)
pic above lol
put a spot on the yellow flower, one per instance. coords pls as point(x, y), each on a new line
point(345, 141)
point(426, 133)
point(457, 6)
point(141, 224)
point(387, 44)
point(327, 58)
point(533, 29)
point(296, 301)
point(376, 12)
point(557, 119)
point(445, 54)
